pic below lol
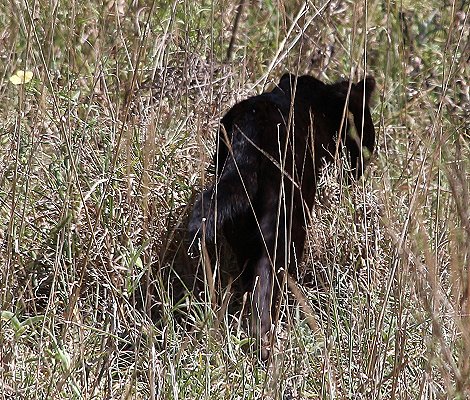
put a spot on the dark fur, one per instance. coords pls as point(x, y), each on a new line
point(270, 151)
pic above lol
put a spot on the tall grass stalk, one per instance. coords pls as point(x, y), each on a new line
point(103, 150)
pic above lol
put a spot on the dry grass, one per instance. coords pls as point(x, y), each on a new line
point(104, 147)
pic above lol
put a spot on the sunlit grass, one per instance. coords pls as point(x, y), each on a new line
point(108, 115)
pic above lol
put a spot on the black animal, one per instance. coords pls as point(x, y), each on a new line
point(270, 151)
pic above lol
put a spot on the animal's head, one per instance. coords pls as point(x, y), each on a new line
point(328, 103)
point(360, 143)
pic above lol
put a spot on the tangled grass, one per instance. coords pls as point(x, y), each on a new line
point(102, 150)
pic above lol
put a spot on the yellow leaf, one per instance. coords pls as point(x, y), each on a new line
point(21, 77)
point(15, 79)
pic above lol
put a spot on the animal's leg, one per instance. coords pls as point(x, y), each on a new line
point(265, 284)
point(264, 296)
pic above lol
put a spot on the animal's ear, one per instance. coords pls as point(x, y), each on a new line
point(286, 83)
point(365, 88)
point(287, 77)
